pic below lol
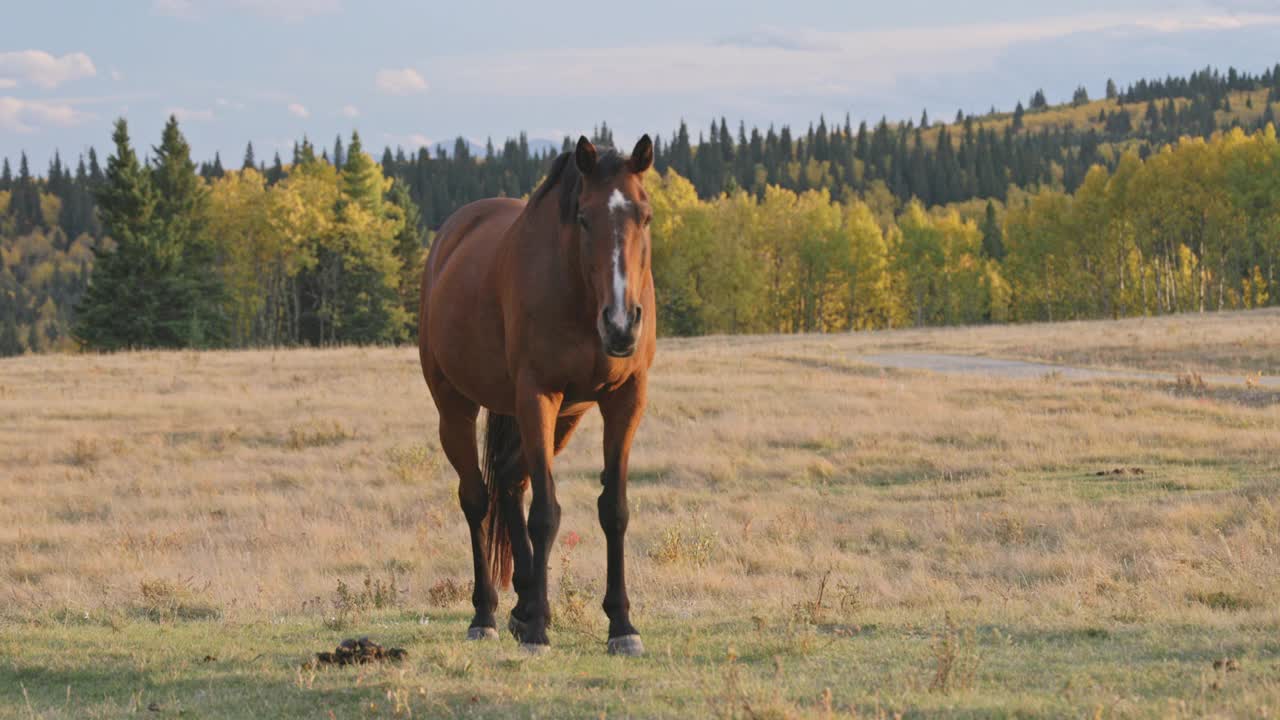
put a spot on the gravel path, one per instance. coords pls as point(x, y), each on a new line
point(998, 367)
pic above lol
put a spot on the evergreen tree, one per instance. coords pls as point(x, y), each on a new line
point(1112, 92)
point(24, 203)
point(95, 171)
point(10, 344)
point(362, 179)
point(276, 173)
point(339, 155)
point(250, 162)
point(409, 250)
point(180, 216)
point(126, 200)
point(992, 236)
point(137, 297)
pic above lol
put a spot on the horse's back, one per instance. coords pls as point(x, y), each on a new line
point(460, 324)
point(482, 221)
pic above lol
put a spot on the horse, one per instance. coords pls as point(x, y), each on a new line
point(536, 312)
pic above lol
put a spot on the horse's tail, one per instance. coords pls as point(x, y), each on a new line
point(501, 469)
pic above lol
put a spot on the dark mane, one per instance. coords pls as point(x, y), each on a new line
point(564, 174)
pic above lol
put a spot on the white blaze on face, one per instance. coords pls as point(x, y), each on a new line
point(618, 206)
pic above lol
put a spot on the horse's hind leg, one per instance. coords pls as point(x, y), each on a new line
point(458, 439)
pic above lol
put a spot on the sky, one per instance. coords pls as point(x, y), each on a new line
point(410, 73)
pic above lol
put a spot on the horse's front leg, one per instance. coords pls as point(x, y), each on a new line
point(536, 412)
point(621, 410)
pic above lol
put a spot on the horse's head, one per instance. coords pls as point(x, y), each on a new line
point(613, 229)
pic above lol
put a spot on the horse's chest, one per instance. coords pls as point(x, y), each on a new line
point(601, 378)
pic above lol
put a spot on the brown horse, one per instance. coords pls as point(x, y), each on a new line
point(536, 312)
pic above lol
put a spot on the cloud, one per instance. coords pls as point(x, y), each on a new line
point(404, 81)
point(299, 110)
point(801, 40)
point(763, 66)
point(289, 9)
point(292, 10)
point(174, 8)
point(1246, 6)
point(412, 141)
point(350, 111)
point(37, 67)
point(116, 75)
point(189, 115)
point(231, 104)
point(24, 116)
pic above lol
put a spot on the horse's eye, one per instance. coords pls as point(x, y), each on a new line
point(582, 220)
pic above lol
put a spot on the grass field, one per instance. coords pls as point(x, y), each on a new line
point(811, 537)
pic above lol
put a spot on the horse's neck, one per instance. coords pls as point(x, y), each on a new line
point(558, 250)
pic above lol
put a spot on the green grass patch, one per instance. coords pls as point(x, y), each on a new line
point(705, 667)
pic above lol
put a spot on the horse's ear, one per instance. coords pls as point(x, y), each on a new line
point(585, 156)
point(642, 155)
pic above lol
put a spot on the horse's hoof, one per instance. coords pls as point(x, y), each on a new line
point(482, 633)
point(535, 649)
point(517, 627)
point(626, 645)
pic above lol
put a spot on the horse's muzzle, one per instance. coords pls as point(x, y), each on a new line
point(620, 340)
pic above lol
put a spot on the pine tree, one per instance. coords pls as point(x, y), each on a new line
point(137, 298)
point(1153, 114)
point(409, 250)
point(180, 214)
point(992, 237)
point(95, 170)
point(24, 204)
point(127, 200)
point(1112, 92)
point(10, 344)
point(362, 179)
point(180, 193)
point(276, 173)
point(250, 163)
point(339, 155)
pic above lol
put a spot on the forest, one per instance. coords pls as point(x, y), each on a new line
point(1162, 197)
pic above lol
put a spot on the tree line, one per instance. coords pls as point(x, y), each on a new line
point(1044, 213)
point(1195, 226)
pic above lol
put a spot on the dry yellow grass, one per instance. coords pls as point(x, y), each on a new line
point(1234, 343)
point(243, 487)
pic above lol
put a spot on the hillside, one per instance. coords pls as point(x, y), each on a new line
point(182, 530)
